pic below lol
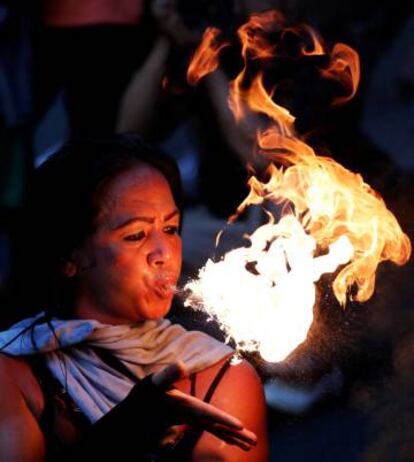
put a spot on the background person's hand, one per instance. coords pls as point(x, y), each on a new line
point(171, 24)
point(188, 409)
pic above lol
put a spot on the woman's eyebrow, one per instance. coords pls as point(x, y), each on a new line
point(132, 220)
point(145, 219)
point(171, 215)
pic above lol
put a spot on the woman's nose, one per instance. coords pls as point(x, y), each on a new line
point(160, 252)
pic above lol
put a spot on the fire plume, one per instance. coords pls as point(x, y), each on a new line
point(344, 67)
point(331, 220)
point(205, 59)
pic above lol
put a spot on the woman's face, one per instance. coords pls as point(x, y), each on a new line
point(126, 271)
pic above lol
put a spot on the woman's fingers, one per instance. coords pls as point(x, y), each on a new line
point(230, 440)
point(195, 410)
point(242, 437)
point(189, 409)
point(214, 420)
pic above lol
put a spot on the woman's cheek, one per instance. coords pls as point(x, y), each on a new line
point(118, 257)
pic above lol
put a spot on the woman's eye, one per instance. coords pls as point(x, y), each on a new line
point(135, 237)
point(171, 229)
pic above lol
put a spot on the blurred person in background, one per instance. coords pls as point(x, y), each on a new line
point(82, 48)
point(16, 123)
point(220, 148)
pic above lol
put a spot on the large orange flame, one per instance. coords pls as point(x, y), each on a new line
point(338, 213)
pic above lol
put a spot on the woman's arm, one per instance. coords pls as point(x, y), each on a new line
point(21, 439)
point(240, 393)
point(138, 423)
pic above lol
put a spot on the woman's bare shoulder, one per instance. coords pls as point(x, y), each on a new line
point(16, 376)
point(21, 439)
point(240, 393)
point(240, 373)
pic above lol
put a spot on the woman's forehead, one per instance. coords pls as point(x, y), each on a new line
point(142, 188)
point(141, 180)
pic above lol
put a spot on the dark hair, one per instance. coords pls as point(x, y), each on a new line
point(64, 201)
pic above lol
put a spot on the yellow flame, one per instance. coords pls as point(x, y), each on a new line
point(331, 219)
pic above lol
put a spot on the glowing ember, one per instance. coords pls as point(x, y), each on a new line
point(263, 295)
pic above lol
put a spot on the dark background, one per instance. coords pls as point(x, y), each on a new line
point(368, 416)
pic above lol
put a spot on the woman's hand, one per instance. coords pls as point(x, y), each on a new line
point(184, 408)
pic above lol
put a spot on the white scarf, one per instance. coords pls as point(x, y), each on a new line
point(144, 348)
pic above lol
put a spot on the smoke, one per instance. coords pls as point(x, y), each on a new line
point(388, 396)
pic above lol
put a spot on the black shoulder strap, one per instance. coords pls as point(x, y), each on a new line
point(217, 379)
point(193, 381)
point(214, 384)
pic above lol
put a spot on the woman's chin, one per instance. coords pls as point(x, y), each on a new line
point(156, 311)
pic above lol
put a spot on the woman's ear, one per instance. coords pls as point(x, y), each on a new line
point(78, 261)
point(69, 268)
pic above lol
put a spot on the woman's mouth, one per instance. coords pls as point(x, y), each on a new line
point(164, 287)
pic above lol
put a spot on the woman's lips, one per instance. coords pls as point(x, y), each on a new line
point(164, 286)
